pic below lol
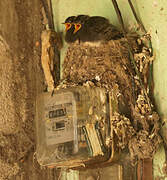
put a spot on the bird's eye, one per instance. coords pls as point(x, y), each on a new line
point(67, 26)
point(77, 27)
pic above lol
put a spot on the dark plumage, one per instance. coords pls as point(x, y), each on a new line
point(90, 29)
point(70, 37)
point(81, 19)
point(96, 28)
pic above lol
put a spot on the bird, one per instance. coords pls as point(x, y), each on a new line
point(95, 28)
point(70, 36)
point(86, 28)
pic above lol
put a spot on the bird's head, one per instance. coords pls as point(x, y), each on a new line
point(74, 26)
point(69, 22)
point(79, 21)
point(70, 37)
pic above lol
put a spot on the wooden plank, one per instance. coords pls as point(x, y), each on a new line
point(144, 170)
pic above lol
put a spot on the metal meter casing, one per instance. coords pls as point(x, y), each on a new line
point(72, 126)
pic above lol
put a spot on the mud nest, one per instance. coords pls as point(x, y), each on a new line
point(108, 65)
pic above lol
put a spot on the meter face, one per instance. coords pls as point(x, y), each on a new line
point(59, 118)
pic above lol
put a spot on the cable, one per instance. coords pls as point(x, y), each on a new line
point(130, 49)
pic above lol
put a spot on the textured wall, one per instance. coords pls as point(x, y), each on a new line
point(21, 78)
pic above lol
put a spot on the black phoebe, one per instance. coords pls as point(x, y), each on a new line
point(70, 37)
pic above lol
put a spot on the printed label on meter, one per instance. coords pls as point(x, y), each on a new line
point(59, 121)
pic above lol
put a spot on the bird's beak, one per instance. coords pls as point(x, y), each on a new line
point(67, 26)
point(77, 27)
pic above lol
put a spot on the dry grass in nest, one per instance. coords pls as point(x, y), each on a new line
point(108, 64)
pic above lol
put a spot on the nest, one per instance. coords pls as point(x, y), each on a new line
point(123, 129)
point(105, 65)
point(136, 125)
point(143, 145)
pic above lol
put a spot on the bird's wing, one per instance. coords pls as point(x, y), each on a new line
point(111, 32)
point(102, 28)
point(96, 24)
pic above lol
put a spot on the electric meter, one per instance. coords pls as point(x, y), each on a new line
point(72, 126)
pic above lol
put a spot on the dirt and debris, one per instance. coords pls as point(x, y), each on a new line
point(123, 129)
point(143, 145)
point(136, 124)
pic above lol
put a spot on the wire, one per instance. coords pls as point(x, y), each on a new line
point(136, 17)
point(150, 79)
point(130, 48)
point(119, 16)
